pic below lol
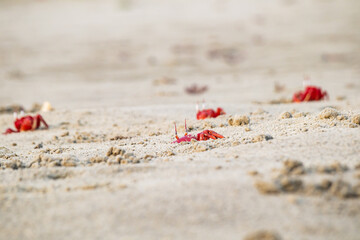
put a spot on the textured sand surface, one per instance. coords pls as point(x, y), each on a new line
point(102, 65)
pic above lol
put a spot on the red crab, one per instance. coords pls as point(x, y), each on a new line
point(311, 93)
point(203, 136)
point(27, 123)
point(208, 113)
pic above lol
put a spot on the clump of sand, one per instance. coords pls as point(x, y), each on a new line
point(238, 120)
point(293, 167)
point(116, 156)
point(289, 181)
point(356, 119)
point(43, 160)
point(328, 113)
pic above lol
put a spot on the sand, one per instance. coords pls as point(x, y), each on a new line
point(115, 73)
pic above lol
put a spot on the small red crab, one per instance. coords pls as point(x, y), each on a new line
point(311, 93)
point(208, 113)
point(202, 136)
point(27, 123)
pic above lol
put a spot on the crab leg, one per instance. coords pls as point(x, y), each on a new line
point(176, 135)
point(325, 95)
point(201, 137)
point(215, 134)
point(9, 130)
point(210, 136)
point(41, 120)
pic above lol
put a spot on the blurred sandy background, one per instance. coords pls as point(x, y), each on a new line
point(92, 53)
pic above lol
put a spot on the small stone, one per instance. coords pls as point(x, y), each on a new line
point(14, 144)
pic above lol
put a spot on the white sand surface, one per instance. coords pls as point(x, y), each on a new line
point(101, 64)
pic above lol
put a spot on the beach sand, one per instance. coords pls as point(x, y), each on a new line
point(115, 73)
